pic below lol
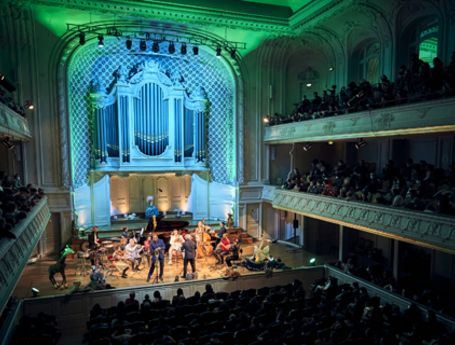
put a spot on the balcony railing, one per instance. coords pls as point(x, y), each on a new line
point(425, 229)
point(12, 124)
point(416, 118)
point(14, 253)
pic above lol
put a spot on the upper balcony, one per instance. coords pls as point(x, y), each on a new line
point(425, 229)
point(13, 125)
point(415, 118)
point(14, 253)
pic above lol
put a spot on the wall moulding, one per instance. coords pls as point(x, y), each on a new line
point(420, 228)
point(417, 118)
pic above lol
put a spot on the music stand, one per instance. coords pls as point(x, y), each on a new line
point(156, 267)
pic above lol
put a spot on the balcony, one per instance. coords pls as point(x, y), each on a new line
point(13, 125)
point(416, 118)
point(14, 253)
point(425, 229)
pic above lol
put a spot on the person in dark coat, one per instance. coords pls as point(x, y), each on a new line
point(189, 248)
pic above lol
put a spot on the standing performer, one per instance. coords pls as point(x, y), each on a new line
point(151, 213)
point(157, 248)
point(59, 267)
point(189, 247)
point(176, 242)
point(93, 244)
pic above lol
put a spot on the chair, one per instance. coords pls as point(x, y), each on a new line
point(83, 262)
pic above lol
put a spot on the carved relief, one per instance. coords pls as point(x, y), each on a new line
point(437, 231)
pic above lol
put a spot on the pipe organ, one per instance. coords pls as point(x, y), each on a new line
point(147, 121)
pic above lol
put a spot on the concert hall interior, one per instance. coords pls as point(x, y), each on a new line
point(244, 172)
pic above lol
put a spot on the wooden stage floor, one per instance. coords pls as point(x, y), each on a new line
point(36, 274)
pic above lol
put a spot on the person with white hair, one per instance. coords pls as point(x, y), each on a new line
point(176, 242)
point(189, 247)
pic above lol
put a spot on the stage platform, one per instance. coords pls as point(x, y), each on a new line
point(36, 274)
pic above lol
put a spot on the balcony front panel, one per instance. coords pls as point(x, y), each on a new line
point(13, 125)
point(417, 118)
point(421, 228)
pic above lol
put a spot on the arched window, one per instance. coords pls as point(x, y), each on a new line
point(428, 43)
point(366, 62)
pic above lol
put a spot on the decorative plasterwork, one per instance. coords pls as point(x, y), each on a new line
point(13, 125)
point(426, 117)
point(14, 253)
point(425, 229)
point(175, 12)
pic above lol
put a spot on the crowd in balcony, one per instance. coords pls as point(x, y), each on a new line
point(368, 263)
point(39, 329)
point(16, 200)
point(418, 186)
point(8, 100)
point(414, 83)
point(332, 314)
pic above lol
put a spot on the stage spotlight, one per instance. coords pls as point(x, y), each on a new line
point(155, 47)
point(81, 38)
point(233, 51)
point(4, 82)
point(171, 48)
point(331, 68)
point(361, 143)
point(143, 45)
point(330, 142)
point(266, 120)
point(35, 292)
point(312, 262)
point(307, 147)
point(129, 43)
point(100, 41)
point(183, 49)
point(308, 84)
point(195, 50)
point(218, 52)
point(29, 105)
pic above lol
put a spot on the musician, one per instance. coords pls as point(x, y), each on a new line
point(151, 213)
point(222, 249)
point(189, 247)
point(234, 251)
point(118, 260)
point(93, 240)
point(221, 232)
point(93, 244)
point(176, 242)
point(157, 248)
point(132, 254)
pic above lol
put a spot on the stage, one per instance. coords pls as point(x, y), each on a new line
point(36, 274)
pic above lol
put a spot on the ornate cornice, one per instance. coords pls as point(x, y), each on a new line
point(417, 118)
point(177, 12)
point(14, 253)
point(424, 229)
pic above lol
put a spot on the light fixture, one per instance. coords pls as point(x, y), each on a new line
point(6, 83)
point(330, 142)
point(266, 119)
point(307, 147)
point(218, 52)
point(155, 47)
point(129, 43)
point(8, 143)
point(81, 38)
point(361, 143)
point(312, 262)
point(331, 68)
point(100, 41)
point(142, 45)
point(35, 292)
point(183, 49)
point(195, 50)
point(171, 48)
point(308, 84)
point(29, 105)
point(233, 52)
point(2, 77)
